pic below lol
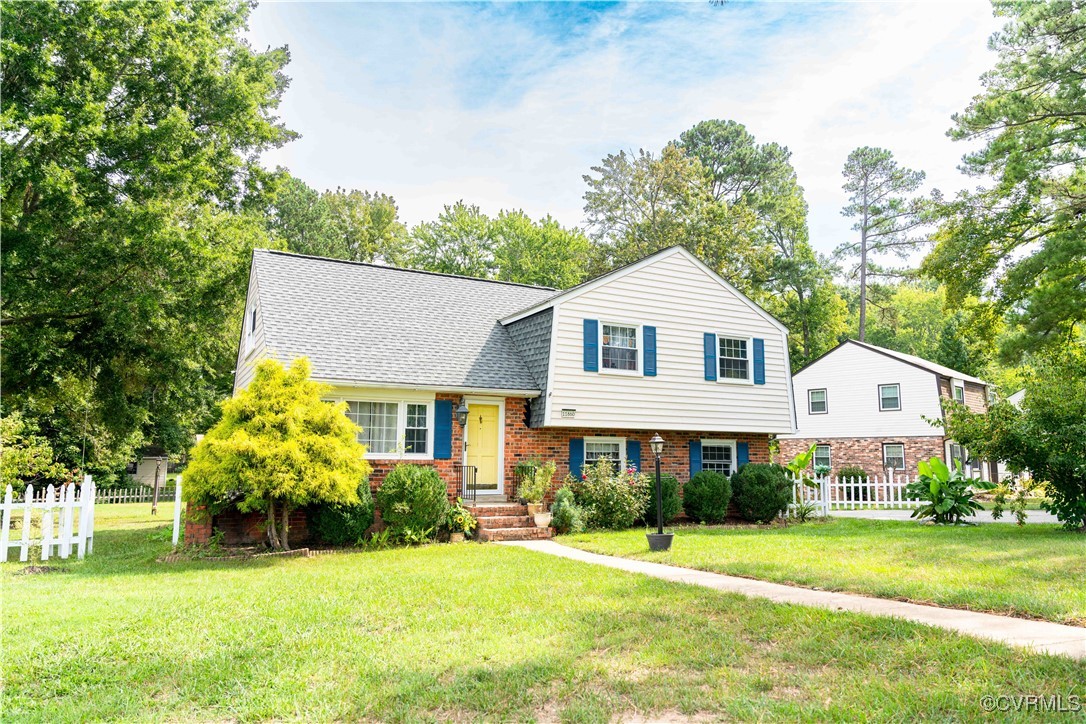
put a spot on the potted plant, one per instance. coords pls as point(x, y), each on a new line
point(460, 522)
point(533, 488)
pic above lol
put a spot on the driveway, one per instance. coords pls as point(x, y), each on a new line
point(982, 516)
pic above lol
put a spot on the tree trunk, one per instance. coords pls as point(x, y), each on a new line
point(286, 526)
point(273, 535)
point(863, 278)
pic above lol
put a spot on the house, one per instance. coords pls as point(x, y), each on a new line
point(870, 406)
point(663, 345)
point(150, 466)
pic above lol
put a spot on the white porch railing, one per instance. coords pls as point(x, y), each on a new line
point(833, 493)
point(60, 526)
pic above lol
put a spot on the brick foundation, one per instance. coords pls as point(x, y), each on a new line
point(239, 529)
point(866, 452)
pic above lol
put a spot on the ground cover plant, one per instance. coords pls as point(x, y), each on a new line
point(444, 632)
point(1034, 571)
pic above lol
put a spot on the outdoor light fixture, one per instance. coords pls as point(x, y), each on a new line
point(462, 413)
point(658, 541)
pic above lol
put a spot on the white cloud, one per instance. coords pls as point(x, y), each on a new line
point(391, 98)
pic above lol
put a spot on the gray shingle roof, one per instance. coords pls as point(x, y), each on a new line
point(372, 324)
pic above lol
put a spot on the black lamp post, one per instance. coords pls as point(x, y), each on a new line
point(658, 541)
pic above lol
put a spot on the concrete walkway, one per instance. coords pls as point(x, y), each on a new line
point(1051, 638)
point(982, 516)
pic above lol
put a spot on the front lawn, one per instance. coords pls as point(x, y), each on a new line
point(1034, 571)
point(463, 632)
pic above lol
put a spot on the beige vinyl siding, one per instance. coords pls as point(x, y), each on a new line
point(248, 356)
point(851, 376)
point(683, 302)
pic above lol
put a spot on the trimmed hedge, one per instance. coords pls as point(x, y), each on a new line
point(706, 497)
point(669, 484)
point(762, 491)
point(413, 502)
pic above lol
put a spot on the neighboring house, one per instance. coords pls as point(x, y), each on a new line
point(869, 406)
point(663, 345)
point(152, 463)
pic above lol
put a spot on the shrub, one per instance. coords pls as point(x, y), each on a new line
point(762, 491)
point(566, 515)
point(706, 497)
point(534, 485)
point(852, 471)
point(341, 524)
point(611, 499)
point(413, 502)
point(669, 484)
point(26, 457)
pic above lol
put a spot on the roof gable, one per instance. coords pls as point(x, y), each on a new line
point(901, 357)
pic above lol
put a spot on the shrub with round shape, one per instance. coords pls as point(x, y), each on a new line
point(413, 502)
point(343, 525)
point(669, 484)
point(706, 497)
point(762, 491)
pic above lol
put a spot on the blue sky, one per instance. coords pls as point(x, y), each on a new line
point(507, 105)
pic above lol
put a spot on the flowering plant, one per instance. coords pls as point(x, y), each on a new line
point(611, 498)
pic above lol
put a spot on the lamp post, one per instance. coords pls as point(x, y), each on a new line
point(658, 541)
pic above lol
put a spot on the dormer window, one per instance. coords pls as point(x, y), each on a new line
point(889, 397)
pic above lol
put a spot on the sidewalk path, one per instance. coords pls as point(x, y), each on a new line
point(982, 516)
point(1042, 636)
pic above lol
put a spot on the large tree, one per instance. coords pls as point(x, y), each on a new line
point(888, 216)
point(543, 253)
point(1021, 241)
point(458, 242)
point(130, 135)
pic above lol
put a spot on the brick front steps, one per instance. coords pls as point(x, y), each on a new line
point(505, 522)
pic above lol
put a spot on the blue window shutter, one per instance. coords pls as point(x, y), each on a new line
point(591, 345)
point(576, 456)
point(695, 457)
point(633, 453)
point(649, 336)
point(710, 356)
point(742, 455)
point(442, 429)
point(759, 361)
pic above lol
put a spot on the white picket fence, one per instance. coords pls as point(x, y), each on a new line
point(62, 528)
point(833, 493)
point(135, 495)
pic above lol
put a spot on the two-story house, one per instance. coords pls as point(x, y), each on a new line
point(476, 375)
point(871, 407)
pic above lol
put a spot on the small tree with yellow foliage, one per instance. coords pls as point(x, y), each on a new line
point(278, 447)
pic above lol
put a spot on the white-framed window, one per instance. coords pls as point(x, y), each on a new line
point(893, 455)
point(393, 428)
point(822, 456)
point(250, 329)
point(956, 452)
point(733, 358)
point(620, 347)
point(959, 393)
point(718, 456)
point(889, 397)
point(816, 402)
point(612, 448)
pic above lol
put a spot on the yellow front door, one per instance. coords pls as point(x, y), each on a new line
point(482, 446)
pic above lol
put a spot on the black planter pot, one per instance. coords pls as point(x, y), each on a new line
point(659, 541)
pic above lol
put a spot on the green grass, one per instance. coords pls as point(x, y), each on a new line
point(461, 632)
point(1035, 571)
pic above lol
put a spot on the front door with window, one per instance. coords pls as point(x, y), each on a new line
point(482, 444)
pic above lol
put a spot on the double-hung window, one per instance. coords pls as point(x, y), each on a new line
point(956, 455)
point(612, 448)
point(959, 394)
point(816, 402)
point(893, 455)
point(619, 348)
point(822, 457)
point(889, 397)
point(734, 358)
point(718, 456)
point(392, 428)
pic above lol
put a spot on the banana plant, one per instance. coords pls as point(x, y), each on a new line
point(799, 467)
point(948, 495)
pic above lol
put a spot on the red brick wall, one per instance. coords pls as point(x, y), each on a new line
point(239, 529)
point(866, 451)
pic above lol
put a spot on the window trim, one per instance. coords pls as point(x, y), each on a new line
point(825, 401)
point(607, 439)
point(954, 392)
point(750, 360)
point(401, 401)
point(721, 443)
point(829, 455)
point(638, 340)
point(904, 461)
point(250, 335)
point(890, 409)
